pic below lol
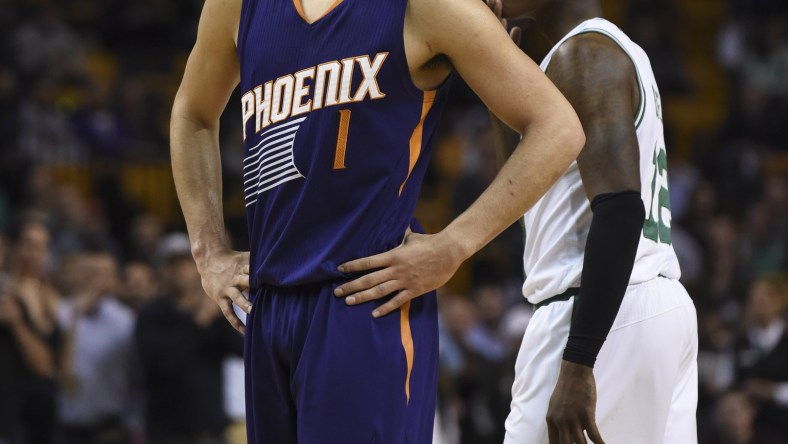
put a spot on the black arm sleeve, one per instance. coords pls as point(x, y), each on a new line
point(609, 256)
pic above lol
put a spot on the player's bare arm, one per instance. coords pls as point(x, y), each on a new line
point(599, 80)
point(212, 73)
point(506, 139)
point(516, 90)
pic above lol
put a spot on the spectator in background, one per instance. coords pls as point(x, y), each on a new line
point(139, 115)
point(716, 368)
point(647, 27)
point(45, 43)
point(734, 419)
point(763, 246)
point(482, 401)
point(182, 342)
point(703, 201)
point(776, 198)
point(765, 67)
point(29, 341)
point(80, 223)
point(10, 97)
point(485, 337)
point(95, 401)
point(144, 236)
point(460, 366)
point(724, 269)
point(94, 122)
point(493, 396)
point(140, 285)
point(762, 353)
point(45, 134)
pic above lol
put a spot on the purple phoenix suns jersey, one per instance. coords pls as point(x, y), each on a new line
point(336, 135)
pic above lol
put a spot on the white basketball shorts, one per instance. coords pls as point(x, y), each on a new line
point(646, 373)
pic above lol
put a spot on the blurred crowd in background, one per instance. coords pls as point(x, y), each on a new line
point(106, 336)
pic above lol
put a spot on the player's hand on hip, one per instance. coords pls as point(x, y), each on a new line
point(421, 264)
point(572, 410)
point(225, 276)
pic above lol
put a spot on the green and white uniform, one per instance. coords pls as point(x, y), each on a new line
point(557, 226)
point(646, 372)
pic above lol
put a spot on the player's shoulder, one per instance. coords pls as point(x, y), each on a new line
point(593, 57)
point(592, 49)
point(432, 5)
point(220, 18)
point(443, 26)
point(442, 14)
point(223, 9)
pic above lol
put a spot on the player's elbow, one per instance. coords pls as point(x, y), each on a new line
point(186, 114)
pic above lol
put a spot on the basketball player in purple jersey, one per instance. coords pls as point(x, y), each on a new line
point(340, 103)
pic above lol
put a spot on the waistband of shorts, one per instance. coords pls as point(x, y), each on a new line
point(565, 296)
point(258, 283)
point(569, 294)
point(305, 288)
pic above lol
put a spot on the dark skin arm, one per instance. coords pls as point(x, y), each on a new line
point(605, 96)
point(600, 82)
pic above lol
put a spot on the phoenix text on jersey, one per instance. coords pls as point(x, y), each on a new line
point(276, 100)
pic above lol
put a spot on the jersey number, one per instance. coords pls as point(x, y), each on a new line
point(657, 225)
point(339, 155)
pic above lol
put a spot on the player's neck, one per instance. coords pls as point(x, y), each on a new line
point(557, 18)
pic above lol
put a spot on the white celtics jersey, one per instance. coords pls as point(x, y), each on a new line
point(557, 226)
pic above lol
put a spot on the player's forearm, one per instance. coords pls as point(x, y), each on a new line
point(610, 253)
point(542, 156)
point(506, 139)
point(196, 168)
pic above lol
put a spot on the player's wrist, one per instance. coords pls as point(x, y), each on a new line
point(460, 247)
point(575, 369)
point(582, 351)
point(205, 251)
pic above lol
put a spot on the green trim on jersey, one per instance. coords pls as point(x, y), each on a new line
point(642, 106)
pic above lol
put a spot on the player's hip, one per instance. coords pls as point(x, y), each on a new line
point(307, 312)
point(641, 301)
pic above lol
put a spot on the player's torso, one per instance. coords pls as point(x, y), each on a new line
point(557, 226)
point(336, 135)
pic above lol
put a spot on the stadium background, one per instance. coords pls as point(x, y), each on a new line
point(90, 221)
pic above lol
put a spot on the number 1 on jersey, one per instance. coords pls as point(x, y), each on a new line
point(344, 123)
